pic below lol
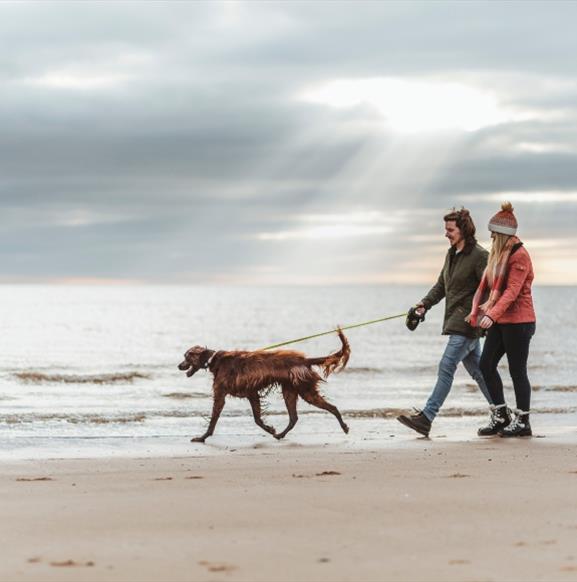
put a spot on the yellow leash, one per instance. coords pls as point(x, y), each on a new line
point(302, 339)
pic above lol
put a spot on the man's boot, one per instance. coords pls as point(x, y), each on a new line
point(500, 418)
point(418, 422)
point(519, 427)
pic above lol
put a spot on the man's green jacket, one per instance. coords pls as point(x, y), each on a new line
point(457, 283)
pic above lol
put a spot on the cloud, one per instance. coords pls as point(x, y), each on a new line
point(532, 197)
point(336, 226)
point(417, 105)
point(76, 81)
point(165, 142)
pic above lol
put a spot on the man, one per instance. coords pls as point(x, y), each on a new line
point(457, 283)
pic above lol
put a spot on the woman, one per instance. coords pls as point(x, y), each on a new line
point(509, 318)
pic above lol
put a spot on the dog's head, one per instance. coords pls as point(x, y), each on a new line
point(195, 359)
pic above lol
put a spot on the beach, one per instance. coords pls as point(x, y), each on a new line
point(99, 480)
point(411, 509)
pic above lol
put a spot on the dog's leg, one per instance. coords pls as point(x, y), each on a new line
point(256, 412)
point(217, 407)
point(290, 398)
point(313, 397)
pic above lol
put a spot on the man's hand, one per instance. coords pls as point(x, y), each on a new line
point(415, 315)
point(486, 322)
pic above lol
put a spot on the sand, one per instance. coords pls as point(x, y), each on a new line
point(475, 510)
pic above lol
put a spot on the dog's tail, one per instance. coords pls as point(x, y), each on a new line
point(334, 362)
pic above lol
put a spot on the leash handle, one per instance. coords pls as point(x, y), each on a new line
point(302, 339)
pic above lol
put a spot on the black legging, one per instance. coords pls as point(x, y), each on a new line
point(512, 339)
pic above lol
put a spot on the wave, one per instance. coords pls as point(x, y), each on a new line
point(30, 418)
point(361, 370)
point(561, 388)
point(88, 418)
point(408, 368)
point(114, 378)
point(139, 417)
point(186, 395)
point(71, 418)
point(35, 377)
point(553, 388)
point(394, 412)
point(412, 368)
point(450, 412)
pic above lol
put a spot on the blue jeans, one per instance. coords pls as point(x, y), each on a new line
point(459, 349)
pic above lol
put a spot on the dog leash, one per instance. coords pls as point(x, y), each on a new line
point(302, 339)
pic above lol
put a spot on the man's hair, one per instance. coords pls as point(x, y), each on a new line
point(462, 218)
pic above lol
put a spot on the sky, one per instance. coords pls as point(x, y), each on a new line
point(281, 143)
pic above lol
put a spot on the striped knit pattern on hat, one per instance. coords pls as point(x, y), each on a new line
point(504, 221)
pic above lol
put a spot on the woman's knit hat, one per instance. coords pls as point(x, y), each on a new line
point(504, 221)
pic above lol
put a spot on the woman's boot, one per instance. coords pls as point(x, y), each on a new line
point(519, 427)
point(500, 418)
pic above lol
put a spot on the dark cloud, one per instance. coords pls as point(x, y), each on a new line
point(158, 140)
point(526, 172)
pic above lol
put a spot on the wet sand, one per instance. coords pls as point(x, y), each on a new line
point(480, 510)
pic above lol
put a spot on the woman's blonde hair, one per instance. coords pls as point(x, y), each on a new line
point(497, 248)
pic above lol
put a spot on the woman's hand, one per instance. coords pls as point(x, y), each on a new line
point(486, 322)
point(468, 318)
point(485, 306)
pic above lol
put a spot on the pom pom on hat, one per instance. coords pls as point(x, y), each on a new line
point(504, 221)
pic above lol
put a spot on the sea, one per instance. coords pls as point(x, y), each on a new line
point(91, 371)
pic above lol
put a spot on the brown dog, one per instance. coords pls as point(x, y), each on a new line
point(253, 374)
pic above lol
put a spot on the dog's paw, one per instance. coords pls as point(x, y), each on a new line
point(278, 437)
point(346, 428)
point(198, 440)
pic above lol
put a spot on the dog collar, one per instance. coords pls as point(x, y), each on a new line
point(209, 360)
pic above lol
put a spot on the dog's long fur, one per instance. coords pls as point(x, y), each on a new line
point(253, 374)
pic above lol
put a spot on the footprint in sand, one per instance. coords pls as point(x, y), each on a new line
point(261, 445)
point(72, 564)
point(458, 562)
point(28, 479)
point(195, 477)
point(323, 474)
point(163, 479)
point(217, 566)
point(458, 476)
